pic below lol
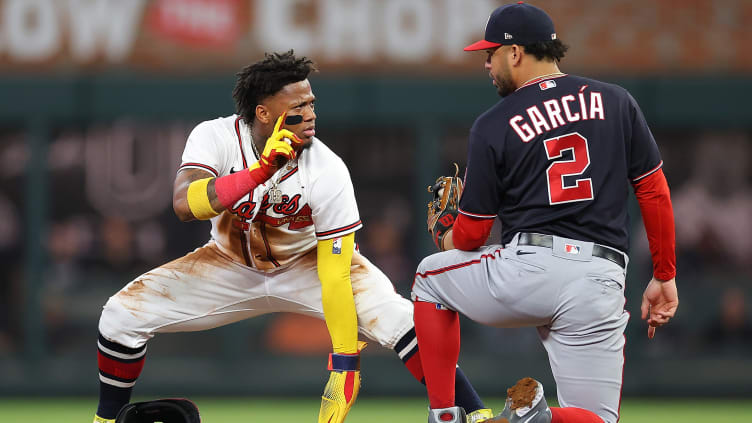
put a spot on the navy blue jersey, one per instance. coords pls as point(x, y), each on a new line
point(557, 157)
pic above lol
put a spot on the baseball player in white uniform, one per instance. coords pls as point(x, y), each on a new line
point(283, 216)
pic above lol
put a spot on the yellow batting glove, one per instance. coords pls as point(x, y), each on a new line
point(342, 388)
point(280, 147)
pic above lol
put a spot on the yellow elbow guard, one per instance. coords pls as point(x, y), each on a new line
point(198, 200)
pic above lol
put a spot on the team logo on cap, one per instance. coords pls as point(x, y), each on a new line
point(572, 249)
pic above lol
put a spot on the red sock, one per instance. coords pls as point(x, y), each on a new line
point(438, 331)
point(573, 415)
point(415, 366)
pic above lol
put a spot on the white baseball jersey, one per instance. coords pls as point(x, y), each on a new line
point(262, 256)
point(317, 198)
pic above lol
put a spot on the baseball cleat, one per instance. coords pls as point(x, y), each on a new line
point(525, 404)
point(478, 416)
point(447, 415)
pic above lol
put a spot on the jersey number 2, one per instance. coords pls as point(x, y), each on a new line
point(582, 190)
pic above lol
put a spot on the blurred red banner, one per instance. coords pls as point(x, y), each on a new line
point(196, 23)
point(397, 36)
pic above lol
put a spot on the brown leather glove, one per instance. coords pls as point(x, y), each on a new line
point(443, 207)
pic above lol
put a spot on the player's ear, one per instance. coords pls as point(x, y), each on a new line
point(515, 54)
point(262, 114)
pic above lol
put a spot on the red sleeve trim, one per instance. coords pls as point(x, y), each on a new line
point(469, 233)
point(477, 215)
point(658, 215)
point(340, 231)
point(200, 166)
point(650, 172)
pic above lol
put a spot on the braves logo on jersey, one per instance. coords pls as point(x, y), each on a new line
point(287, 209)
point(292, 213)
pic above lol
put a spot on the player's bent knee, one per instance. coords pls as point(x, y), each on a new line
point(394, 320)
point(422, 290)
point(425, 264)
point(118, 324)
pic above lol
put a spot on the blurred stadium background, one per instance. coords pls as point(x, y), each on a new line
point(98, 97)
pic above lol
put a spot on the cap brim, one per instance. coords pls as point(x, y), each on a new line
point(481, 45)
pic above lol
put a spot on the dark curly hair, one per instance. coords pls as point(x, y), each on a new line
point(553, 50)
point(267, 77)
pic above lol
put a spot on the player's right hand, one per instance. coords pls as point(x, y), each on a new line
point(280, 147)
point(339, 395)
point(659, 303)
point(342, 388)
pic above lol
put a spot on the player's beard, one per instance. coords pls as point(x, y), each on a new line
point(306, 145)
point(504, 83)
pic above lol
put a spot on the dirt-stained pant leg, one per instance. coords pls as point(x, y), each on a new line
point(384, 316)
point(206, 289)
point(201, 290)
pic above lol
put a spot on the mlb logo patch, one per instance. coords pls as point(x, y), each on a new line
point(337, 246)
point(546, 85)
point(572, 249)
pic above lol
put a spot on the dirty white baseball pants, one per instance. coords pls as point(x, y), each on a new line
point(206, 289)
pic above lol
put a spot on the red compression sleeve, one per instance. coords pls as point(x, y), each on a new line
point(658, 215)
point(230, 188)
point(469, 233)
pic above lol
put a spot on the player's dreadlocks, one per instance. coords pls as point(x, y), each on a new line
point(550, 50)
point(265, 78)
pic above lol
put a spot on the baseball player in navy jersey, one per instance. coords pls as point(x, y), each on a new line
point(553, 161)
point(283, 217)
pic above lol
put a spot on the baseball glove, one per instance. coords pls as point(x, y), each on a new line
point(442, 209)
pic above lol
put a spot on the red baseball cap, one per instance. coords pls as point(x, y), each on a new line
point(518, 23)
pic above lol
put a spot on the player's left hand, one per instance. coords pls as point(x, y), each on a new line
point(342, 388)
point(443, 207)
point(659, 303)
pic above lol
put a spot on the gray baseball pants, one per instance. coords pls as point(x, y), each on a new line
point(574, 299)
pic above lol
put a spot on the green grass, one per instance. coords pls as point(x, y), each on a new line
point(366, 410)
